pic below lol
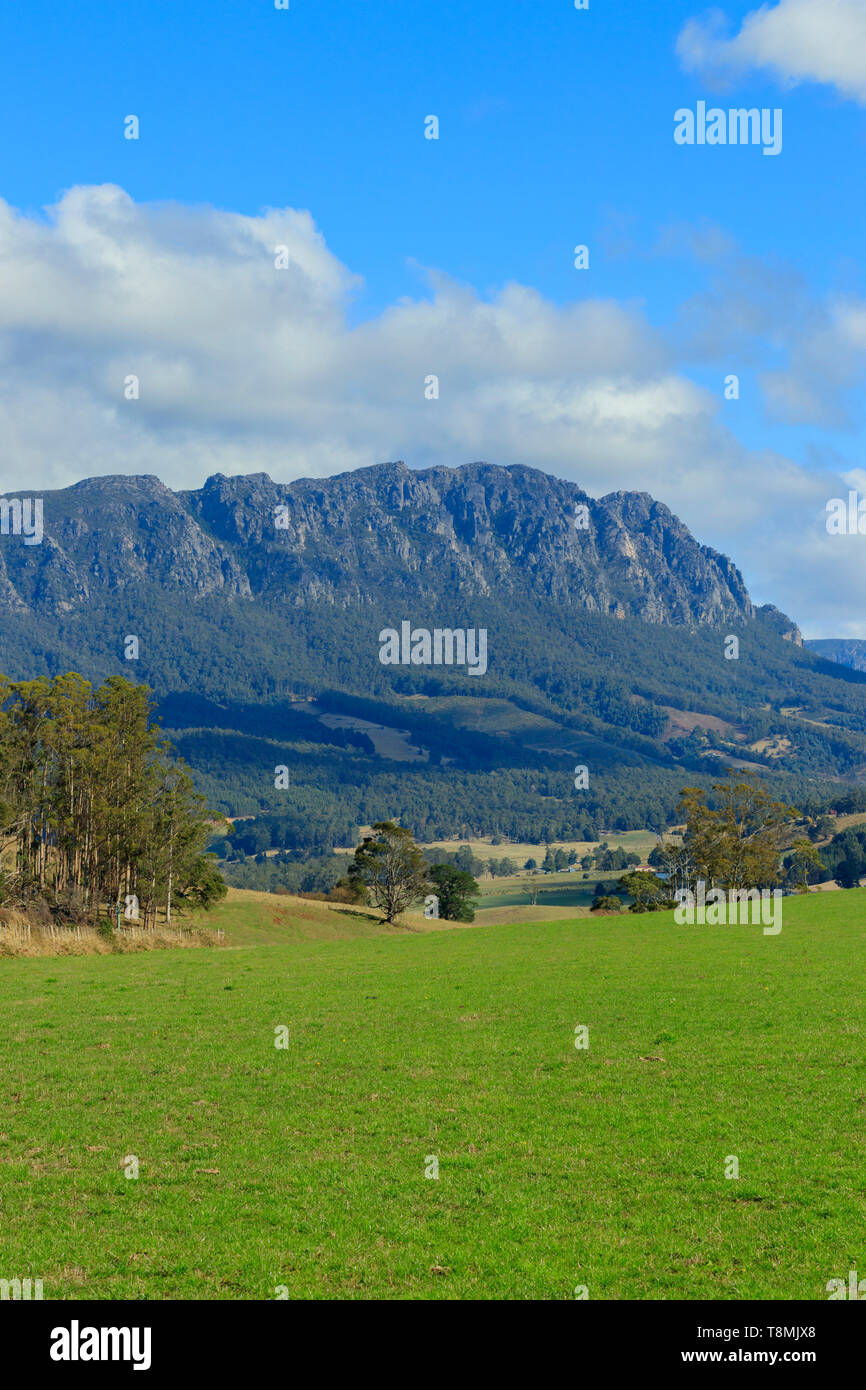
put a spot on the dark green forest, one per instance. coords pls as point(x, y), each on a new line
point(227, 672)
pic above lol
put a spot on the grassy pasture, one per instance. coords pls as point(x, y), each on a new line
point(507, 892)
point(638, 841)
point(304, 1166)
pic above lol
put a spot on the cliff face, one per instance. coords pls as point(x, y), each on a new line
point(847, 651)
point(386, 532)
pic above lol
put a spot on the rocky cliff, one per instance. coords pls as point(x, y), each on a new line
point(379, 533)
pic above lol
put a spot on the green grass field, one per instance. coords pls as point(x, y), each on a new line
point(558, 1167)
point(638, 841)
point(573, 894)
point(547, 891)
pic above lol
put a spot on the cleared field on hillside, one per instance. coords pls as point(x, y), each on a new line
point(305, 1166)
point(638, 841)
point(846, 822)
point(489, 716)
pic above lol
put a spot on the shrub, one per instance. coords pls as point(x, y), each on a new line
point(606, 903)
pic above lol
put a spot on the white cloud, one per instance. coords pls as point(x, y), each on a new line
point(827, 364)
point(798, 40)
point(809, 350)
point(243, 366)
point(246, 368)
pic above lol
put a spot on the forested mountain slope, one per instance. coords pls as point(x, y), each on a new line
point(606, 631)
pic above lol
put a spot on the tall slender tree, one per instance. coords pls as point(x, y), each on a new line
point(92, 802)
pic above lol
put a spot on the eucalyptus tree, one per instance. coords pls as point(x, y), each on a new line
point(94, 808)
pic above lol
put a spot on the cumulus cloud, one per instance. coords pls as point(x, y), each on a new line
point(798, 40)
point(809, 350)
point(244, 367)
point(827, 365)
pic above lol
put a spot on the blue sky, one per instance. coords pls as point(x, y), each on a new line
point(556, 128)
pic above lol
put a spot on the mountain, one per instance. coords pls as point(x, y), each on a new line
point(471, 531)
point(847, 651)
point(257, 610)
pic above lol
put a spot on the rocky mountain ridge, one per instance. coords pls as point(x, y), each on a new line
point(384, 532)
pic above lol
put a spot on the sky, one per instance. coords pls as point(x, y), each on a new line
point(282, 259)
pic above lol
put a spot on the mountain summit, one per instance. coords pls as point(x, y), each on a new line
point(387, 532)
point(570, 631)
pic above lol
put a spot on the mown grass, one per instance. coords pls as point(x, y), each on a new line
point(304, 1167)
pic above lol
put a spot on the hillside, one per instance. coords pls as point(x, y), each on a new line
point(257, 609)
point(847, 651)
